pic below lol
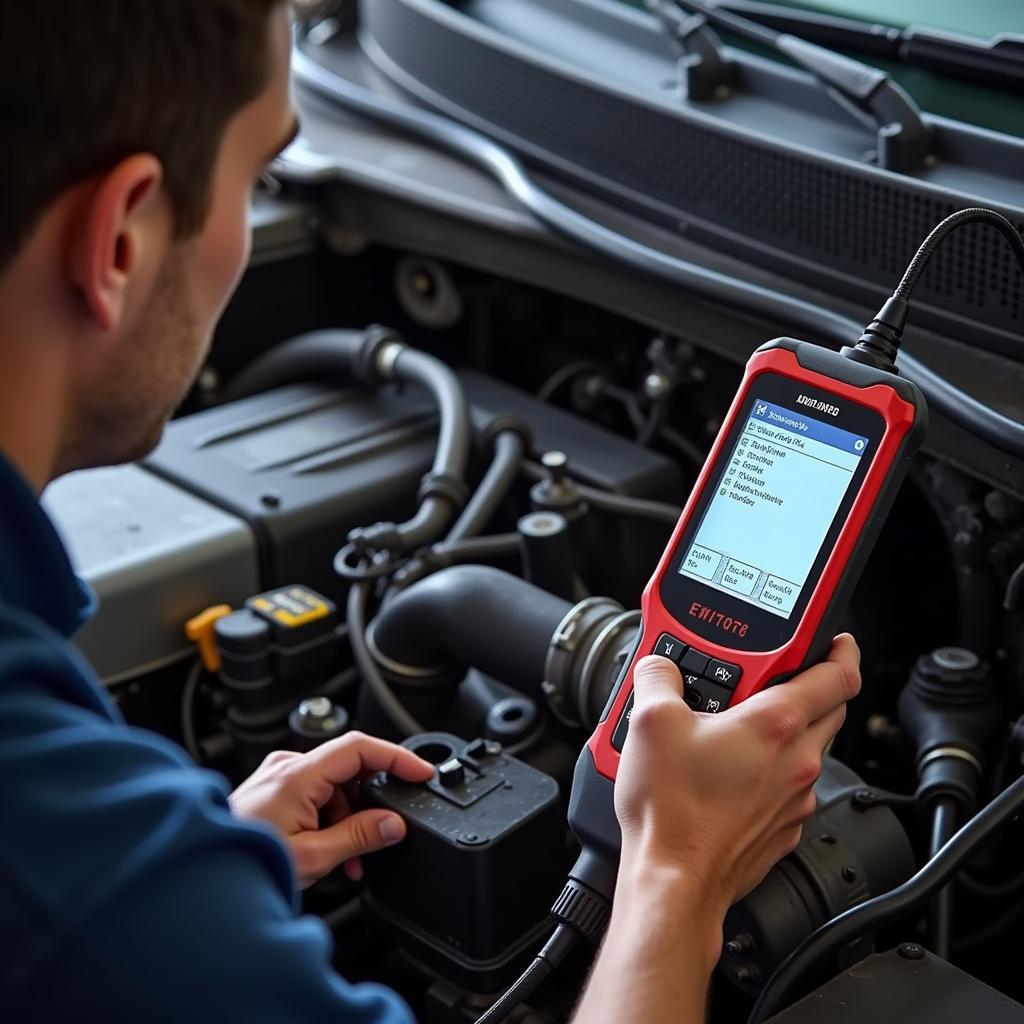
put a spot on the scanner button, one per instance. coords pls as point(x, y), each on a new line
point(669, 647)
point(724, 673)
point(619, 736)
point(712, 697)
point(695, 662)
point(691, 691)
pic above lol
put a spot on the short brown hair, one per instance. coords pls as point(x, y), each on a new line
point(86, 83)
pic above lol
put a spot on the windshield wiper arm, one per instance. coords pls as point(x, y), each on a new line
point(869, 94)
point(995, 62)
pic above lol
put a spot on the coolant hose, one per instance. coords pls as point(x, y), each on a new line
point(470, 615)
point(306, 358)
point(509, 449)
point(378, 356)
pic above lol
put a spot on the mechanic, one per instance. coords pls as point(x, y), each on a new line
point(133, 886)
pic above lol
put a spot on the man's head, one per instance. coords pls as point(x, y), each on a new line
point(134, 131)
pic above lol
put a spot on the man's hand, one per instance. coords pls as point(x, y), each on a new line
point(724, 796)
point(292, 792)
point(707, 804)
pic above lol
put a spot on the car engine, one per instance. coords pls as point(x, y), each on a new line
point(433, 459)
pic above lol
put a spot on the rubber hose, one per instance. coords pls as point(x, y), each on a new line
point(453, 444)
point(447, 553)
point(311, 356)
point(305, 358)
point(509, 449)
point(945, 815)
point(472, 616)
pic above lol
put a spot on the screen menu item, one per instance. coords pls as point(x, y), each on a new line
point(783, 484)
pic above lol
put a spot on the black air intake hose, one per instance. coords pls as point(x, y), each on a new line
point(469, 616)
point(378, 356)
point(475, 616)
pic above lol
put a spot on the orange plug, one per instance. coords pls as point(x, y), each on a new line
point(200, 631)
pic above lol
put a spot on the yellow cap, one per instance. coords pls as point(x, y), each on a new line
point(200, 631)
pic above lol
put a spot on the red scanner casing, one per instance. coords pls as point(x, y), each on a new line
point(904, 413)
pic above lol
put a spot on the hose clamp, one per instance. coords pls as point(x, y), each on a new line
point(351, 563)
point(569, 638)
point(451, 488)
point(608, 640)
point(957, 753)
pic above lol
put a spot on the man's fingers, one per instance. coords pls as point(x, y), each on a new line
point(337, 808)
point(354, 755)
point(825, 687)
point(318, 853)
point(655, 679)
point(822, 732)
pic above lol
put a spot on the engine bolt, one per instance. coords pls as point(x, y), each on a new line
point(742, 943)
point(911, 951)
point(657, 385)
point(748, 974)
point(850, 873)
point(315, 707)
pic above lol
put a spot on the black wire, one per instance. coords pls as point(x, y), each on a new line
point(940, 913)
point(448, 553)
point(972, 215)
point(565, 374)
point(1014, 589)
point(188, 711)
point(1000, 431)
point(554, 952)
point(619, 504)
point(889, 907)
point(400, 718)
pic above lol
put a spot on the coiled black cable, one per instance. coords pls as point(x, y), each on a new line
point(889, 907)
point(554, 952)
point(972, 215)
point(1000, 431)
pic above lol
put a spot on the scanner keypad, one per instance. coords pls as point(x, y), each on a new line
point(708, 682)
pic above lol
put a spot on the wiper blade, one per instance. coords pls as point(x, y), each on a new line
point(869, 94)
point(1000, 61)
point(997, 62)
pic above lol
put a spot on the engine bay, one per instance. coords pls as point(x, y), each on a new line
point(557, 411)
point(511, 636)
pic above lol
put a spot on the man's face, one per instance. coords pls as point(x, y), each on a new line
point(163, 346)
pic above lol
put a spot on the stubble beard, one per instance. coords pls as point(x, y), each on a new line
point(149, 377)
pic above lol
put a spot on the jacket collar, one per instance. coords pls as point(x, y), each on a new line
point(35, 572)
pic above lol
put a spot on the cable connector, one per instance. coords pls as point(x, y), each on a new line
point(581, 908)
point(880, 343)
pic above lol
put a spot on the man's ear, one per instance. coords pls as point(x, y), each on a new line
point(112, 234)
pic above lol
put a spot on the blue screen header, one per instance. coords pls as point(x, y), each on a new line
point(786, 419)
